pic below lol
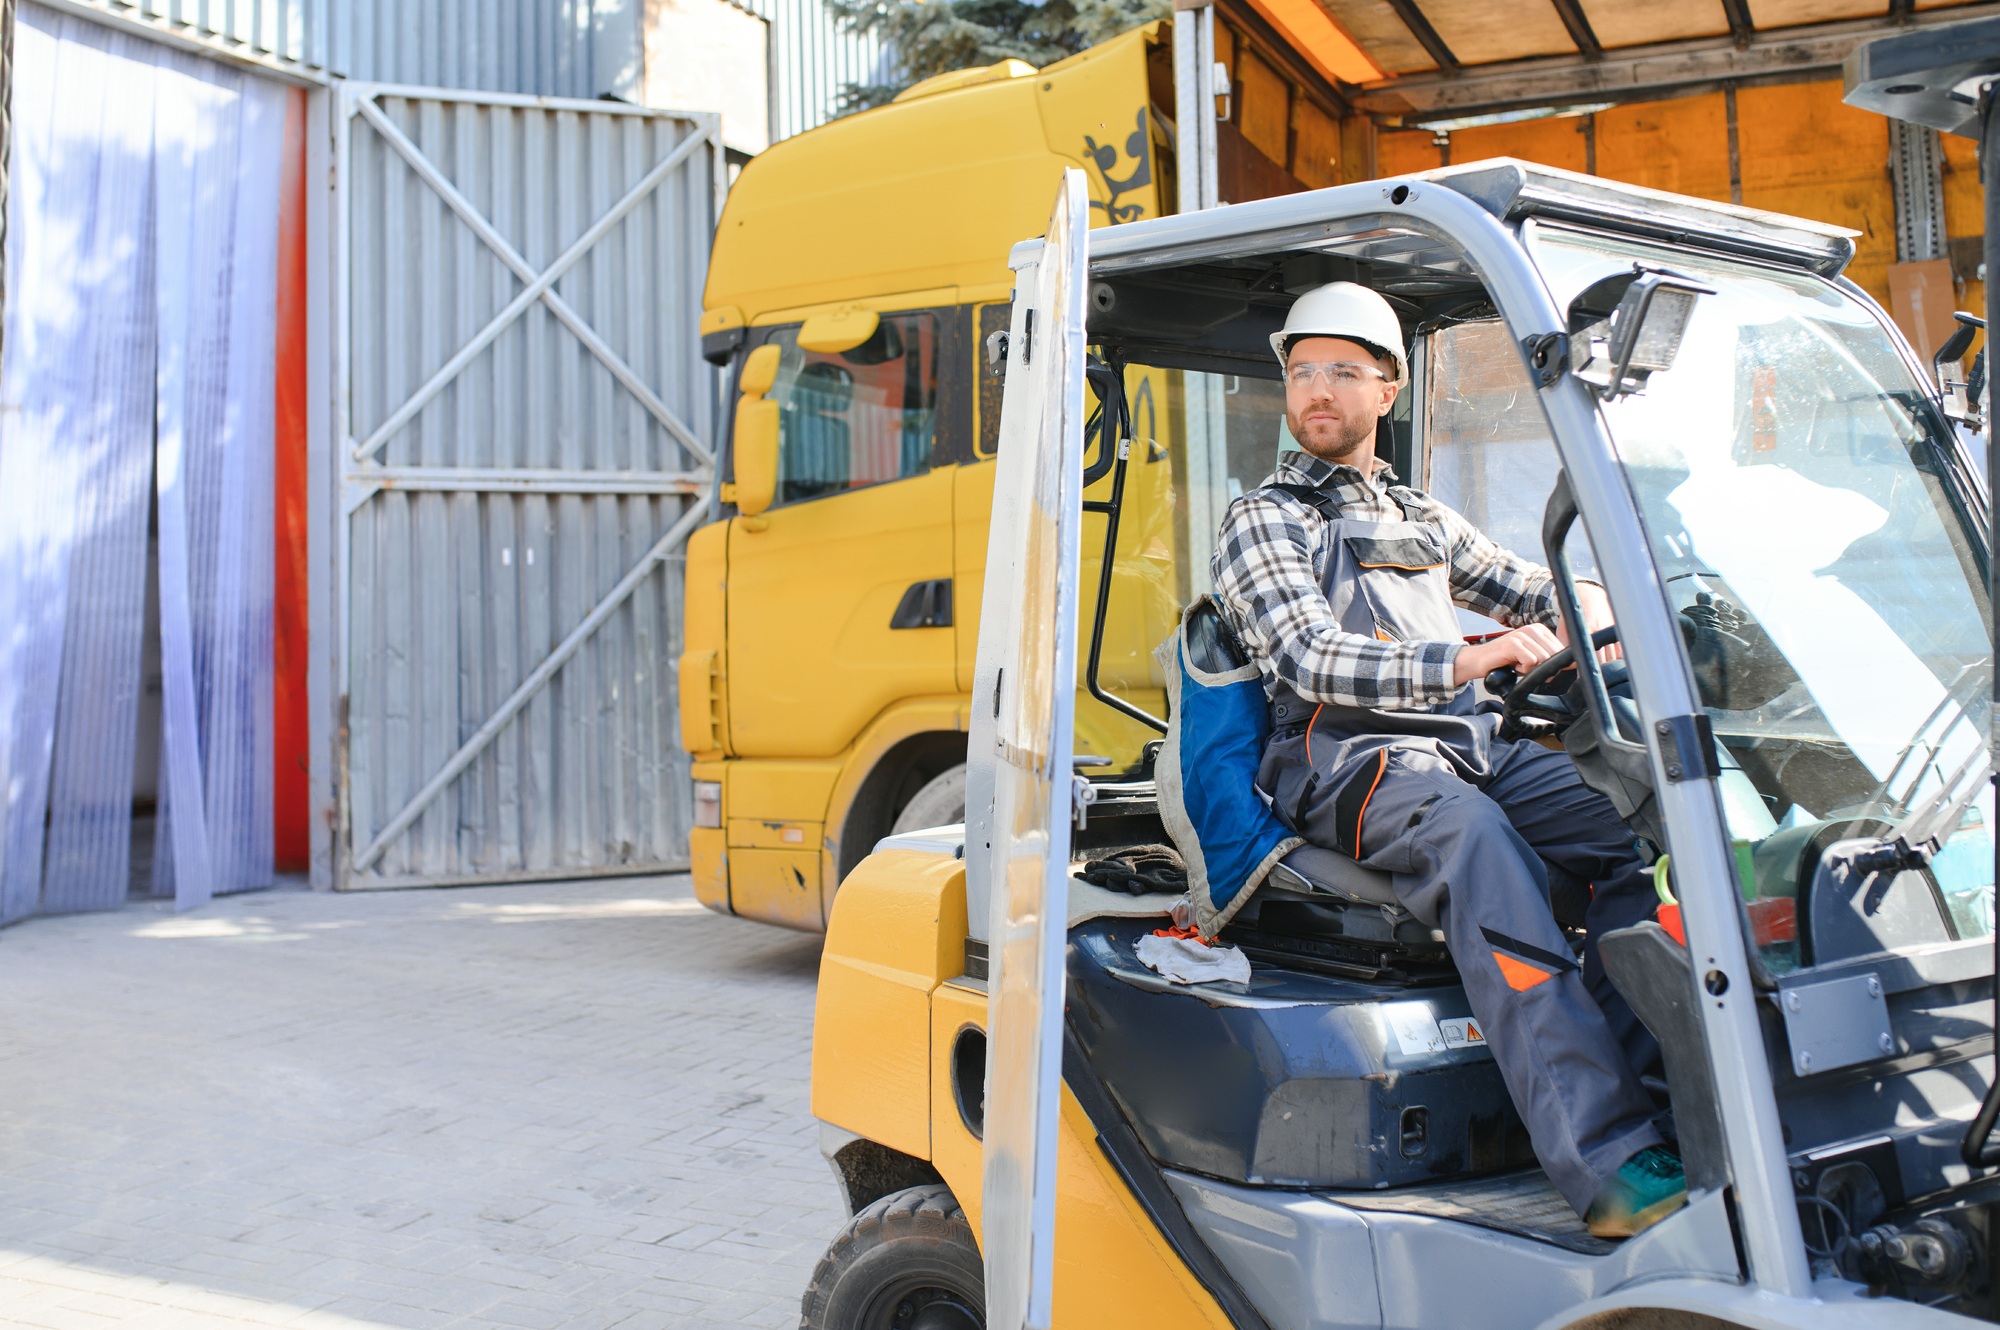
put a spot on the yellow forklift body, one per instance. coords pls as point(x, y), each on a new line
point(892, 1004)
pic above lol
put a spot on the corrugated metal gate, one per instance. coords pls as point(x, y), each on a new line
point(522, 419)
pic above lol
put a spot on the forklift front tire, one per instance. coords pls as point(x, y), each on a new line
point(907, 1262)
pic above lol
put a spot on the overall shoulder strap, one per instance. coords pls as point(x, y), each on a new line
point(1312, 496)
point(1407, 499)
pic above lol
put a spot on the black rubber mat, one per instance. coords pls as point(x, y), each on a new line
point(1525, 1204)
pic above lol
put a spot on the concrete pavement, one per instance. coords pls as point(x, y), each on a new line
point(575, 1105)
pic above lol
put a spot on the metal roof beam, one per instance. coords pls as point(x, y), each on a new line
point(1579, 27)
point(1640, 73)
point(1742, 27)
point(1420, 28)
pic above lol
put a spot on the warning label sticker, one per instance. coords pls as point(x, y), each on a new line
point(1415, 1029)
point(1462, 1032)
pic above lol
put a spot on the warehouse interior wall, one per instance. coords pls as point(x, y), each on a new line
point(136, 454)
point(1788, 147)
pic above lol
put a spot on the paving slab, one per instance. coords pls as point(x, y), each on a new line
point(570, 1104)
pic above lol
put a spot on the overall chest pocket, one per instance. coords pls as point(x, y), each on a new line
point(1403, 582)
point(1406, 554)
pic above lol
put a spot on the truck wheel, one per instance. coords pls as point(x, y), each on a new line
point(907, 1262)
point(941, 803)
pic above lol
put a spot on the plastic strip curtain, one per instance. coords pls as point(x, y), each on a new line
point(218, 144)
point(144, 223)
point(75, 446)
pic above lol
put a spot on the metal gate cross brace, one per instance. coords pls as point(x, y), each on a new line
point(539, 286)
point(529, 686)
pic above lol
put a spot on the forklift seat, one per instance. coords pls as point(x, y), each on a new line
point(1313, 870)
point(1317, 906)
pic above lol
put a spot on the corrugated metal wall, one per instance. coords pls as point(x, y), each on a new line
point(549, 48)
point(535, 483)
point(287, 31)
point(815, 56)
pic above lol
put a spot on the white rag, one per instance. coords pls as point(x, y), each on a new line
point(1188, 961)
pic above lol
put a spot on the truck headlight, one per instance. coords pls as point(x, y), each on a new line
point(708, 803)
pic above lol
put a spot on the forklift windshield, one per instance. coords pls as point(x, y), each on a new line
point(1790, 470)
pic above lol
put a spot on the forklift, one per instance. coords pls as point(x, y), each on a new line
point(1683, 399)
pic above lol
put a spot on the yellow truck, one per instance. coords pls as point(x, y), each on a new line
point(825, 688)
point(824, 685)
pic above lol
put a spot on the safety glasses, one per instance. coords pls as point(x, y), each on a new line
point(1340, 374)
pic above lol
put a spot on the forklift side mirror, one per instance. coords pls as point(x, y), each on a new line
point(1627, 327)
point(755, 444)
point(1962, 387)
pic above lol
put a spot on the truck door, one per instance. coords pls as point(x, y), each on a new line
point(824, 627)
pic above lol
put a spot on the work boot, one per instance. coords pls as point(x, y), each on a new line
point(1646, 1189)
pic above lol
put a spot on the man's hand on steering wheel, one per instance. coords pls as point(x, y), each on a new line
point(1520, 651)
point(1596, 606)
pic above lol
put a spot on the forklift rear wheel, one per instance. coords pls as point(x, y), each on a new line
point(907, 1262)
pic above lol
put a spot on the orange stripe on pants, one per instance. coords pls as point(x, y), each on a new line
point(1520, 975)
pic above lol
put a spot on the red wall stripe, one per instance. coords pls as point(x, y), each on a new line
point(291, 801)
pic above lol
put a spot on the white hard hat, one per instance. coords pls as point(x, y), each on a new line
point(1344, 309)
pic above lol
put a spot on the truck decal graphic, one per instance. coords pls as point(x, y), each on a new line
point(1104, 157)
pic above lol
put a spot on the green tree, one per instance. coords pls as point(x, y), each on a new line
point(928, 37)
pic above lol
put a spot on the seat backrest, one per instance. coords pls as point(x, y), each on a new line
point(1206, 772)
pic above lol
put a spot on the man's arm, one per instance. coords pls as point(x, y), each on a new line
point(1264, 577)
point(1493, 581)
point(1502, 585)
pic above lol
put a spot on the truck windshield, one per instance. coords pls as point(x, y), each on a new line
point(1792, 476)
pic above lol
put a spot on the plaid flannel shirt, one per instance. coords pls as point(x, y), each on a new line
point(1272, 552)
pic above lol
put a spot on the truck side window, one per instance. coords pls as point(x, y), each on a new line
point(850, 419)
point(992, 319)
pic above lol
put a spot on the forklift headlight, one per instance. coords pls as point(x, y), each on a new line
point(1628, 327)
point(1657, 326)
point(708, 803)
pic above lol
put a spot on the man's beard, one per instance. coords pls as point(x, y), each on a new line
point(1354, 434)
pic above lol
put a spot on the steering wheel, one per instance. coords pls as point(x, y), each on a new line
point(1530, 709)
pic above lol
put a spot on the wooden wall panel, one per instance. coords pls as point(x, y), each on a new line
point(1680, 145)
point(1402, 151)
point(1806, 153)
point(1315, 146)
point(1553, 141)
point(1263, 105)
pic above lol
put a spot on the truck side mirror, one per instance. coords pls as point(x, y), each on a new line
point(1962, 387)
point(755, 444)
point(843, 329)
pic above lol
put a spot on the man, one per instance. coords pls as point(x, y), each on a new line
point(1341, 583)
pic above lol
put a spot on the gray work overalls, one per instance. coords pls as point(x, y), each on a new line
point(1469, 827)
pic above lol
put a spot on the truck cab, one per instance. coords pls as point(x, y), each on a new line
point(828, 643)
